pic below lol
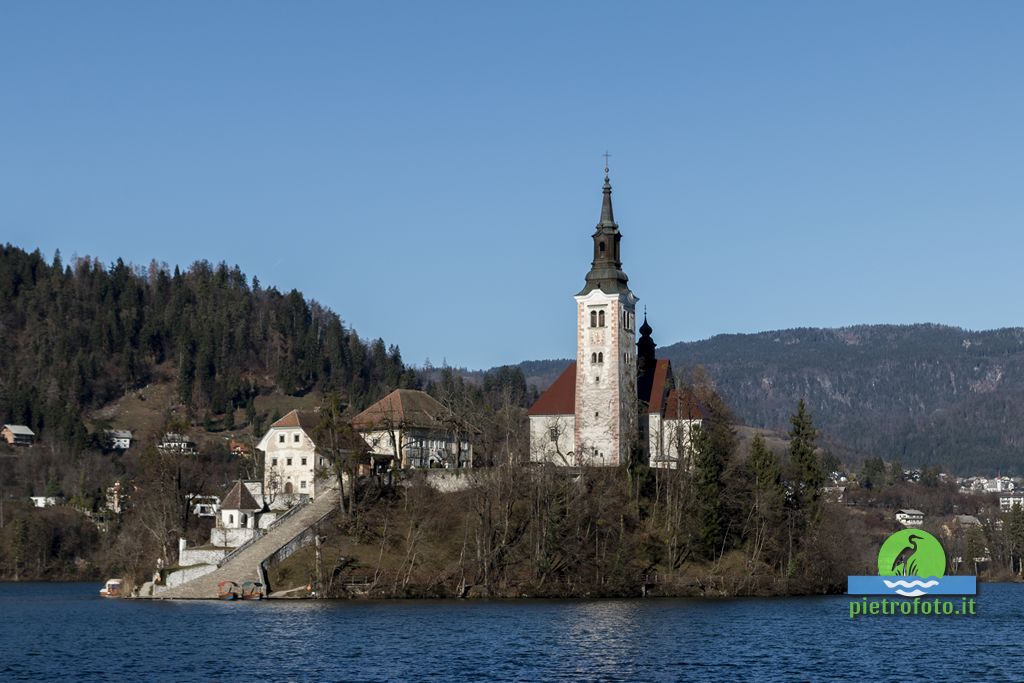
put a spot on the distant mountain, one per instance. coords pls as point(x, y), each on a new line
point(922, 394)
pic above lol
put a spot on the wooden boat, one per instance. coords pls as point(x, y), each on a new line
point(252, 590)
point(112, 588)
point(228, 590)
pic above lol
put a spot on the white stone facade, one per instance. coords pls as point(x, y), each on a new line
point(553, 439)
point(606, 393)
point(291, 464)
point(420, 448)
point(670, 441)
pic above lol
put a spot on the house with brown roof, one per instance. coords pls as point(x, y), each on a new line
point(415, 430)
point(238, 522)
point(292, 466)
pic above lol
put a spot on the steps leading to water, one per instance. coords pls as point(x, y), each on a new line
point(245, 564)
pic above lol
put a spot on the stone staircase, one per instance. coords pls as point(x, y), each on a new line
point(245, 564)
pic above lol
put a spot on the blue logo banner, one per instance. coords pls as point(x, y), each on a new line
point(911, 586)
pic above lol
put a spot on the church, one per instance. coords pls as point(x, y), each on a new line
point(617, 396)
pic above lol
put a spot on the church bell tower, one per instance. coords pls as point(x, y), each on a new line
point(606, 364)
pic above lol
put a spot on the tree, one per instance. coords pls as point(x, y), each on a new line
point(873, 473)
point(805, 484)
point(19, 546)
point(708, 466)
point(1015, 534)
point(896, 476)
point(808, 476)
point(769, 495)
point(343, 447)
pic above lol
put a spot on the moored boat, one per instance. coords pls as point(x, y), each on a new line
point(112, 588)
point(252, 590)
point(228, 590)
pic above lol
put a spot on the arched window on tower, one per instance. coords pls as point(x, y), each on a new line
point(600, 357)
point(600, 319)
point(600, 247)
point(593, 358)
point(593, 318)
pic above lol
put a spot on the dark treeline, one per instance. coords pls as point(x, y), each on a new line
point(77, 336)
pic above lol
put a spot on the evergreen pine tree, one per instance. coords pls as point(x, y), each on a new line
point(1015, 531)
point(768, 501)
point(708, 467)
point(808, 477)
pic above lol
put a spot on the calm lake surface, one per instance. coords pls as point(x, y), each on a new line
point(65, 631)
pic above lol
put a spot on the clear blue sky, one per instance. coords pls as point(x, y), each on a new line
point(432, 171)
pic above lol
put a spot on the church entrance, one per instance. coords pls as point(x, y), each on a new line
point(288, 487)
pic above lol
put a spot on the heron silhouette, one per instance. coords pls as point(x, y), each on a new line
point(905, 563)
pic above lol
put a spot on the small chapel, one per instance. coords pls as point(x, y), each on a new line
point(617, 396)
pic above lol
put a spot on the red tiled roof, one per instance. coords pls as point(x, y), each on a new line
point(299, 418)
point(662, 375)
point(407, 407)
point(683, 405)
point(309, 422)
point(560, 398)
point(239, 498)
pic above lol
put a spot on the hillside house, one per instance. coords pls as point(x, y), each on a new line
point(239, 448)
point(46, 501)
point(117, 498)
point(909, 517)
point(17, 435)
point(292, 465)
point(204, 506)
point(1008, 500)
point(172, 442)
point(413, 429)
point(118, 439)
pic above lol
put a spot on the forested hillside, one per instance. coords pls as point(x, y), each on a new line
point(86, 346)
point(918, 393)
point(76, 336)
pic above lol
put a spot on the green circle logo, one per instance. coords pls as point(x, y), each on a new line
point(912, 552)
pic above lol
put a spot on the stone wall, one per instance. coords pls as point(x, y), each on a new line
point(180, 576)
point(231, 538)
point(191, 556)
point(450, 481)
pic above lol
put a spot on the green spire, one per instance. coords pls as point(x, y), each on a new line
point(607, 216)
point(606, 271)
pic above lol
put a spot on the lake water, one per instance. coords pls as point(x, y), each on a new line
point(65, 631)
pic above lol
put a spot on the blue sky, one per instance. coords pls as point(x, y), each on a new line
point(432, 171)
